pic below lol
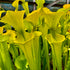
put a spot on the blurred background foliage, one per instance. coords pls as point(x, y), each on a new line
point(6, 4)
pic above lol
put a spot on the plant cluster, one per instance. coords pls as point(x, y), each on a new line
point(39, 41)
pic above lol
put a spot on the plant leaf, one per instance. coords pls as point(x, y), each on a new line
point(25, 6)
point(15, 4)
point(21, 62)
point(35, 15)
point(40, 3)
point(56, 43)
point(31, 50)
point(52, 19)
point(10, 36)
point(6, 57)
point(56, 39)
point(15, 19)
